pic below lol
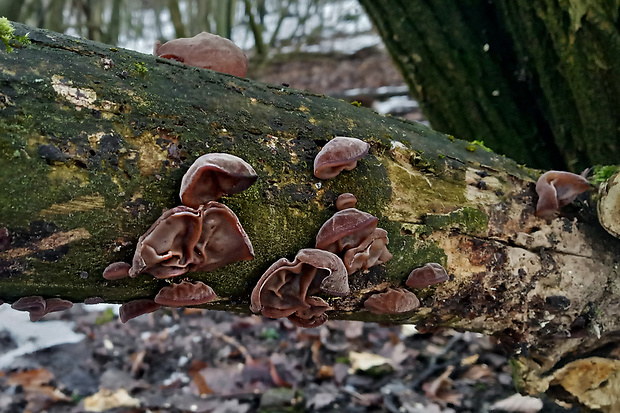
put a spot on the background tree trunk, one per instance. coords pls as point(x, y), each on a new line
point(94, 141)
point(533, 80)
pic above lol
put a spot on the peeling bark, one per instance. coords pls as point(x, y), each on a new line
point(94, 141)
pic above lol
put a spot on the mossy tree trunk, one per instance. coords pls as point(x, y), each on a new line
point(94, 141)
point(537, 81)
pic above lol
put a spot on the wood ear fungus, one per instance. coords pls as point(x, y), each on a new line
point(338, 154)
point(556, 189)
point(286, 288)
point(371, 251)
point(346, 200)
point(205, 50)
point(135, 308)
point(393, 301)
point(37, 306)
point(184, 239)
point(427, 275)
point(184, 294)
point(213, 175)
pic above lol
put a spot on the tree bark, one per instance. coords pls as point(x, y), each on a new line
point(537, 81)
point(94, 141)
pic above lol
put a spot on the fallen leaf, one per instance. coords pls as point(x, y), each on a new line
point(440, 389)
point(518, 403)
point(366, 361)
point(106, 399)
point(478, 372)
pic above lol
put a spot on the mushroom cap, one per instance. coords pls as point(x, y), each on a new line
point(37, 306)
point(213, 175)
point(556, 189)
point(135, 308)
point(167, 248)
point(205, 50)
point(116, 271)
point(222, 239)
point(340, 153)
point(285, 289)
point(393, 301)
point(345, 229)
point(372, 251)
point(427, 275)
point(184, 294)
point(346, 200)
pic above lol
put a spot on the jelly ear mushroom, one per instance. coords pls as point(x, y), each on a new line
point(393, 301)
point(213, 175)
point(427, 275)
point(37, 306)
point(286, 287)
point(222, 239)
point(338, 154)
point(184, 294)
point(346, 200)
point(135, 308)
point(167, 248)
point(371, 251)
point(345, 229)
point(116, 271)
point(556, 189)
point(205, 50)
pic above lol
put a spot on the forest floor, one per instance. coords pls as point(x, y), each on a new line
point(196, 360)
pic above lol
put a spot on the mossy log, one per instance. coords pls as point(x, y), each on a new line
point(537, 81)
point(94, 141)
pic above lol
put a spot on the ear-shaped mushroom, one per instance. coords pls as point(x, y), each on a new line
point(184, 294)
point(372, 251)
point(286, 287)
point(556, 189)
point(427, 275)
point(338, 154)
point(205, 50)
point(37, 306)
point(135, 308)
point(346, 200)
point(393, 301)
point(213, 175)
point(222, 239)
point(116, 271)
point(345, 229)
point(167, 248)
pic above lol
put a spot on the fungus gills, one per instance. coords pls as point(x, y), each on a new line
point(135, 308)
point(427, 275)
point(338, 154)
point(37, 306)
point(286, 288)
point(213, 175)
point(556, 189)
point(205, 50)
point(393, 301)
point(184, 239)
point(184, 294)
point(346, 200)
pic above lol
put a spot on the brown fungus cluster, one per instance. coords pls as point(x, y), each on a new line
point(205, 50)
point(287, 288)
point(354, 233)
point(201, 235)
point(427, 275)
point(557, 189)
